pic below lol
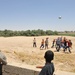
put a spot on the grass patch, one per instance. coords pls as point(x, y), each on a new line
point(65, 62)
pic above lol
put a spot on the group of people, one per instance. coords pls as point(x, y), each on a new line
point(62, 43)
point(58, 43)
point(44, 43)
point(48, 68)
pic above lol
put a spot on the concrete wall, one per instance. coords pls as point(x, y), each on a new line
point(12, 70)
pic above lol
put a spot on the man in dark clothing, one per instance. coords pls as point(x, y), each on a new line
point(53, 43)
point(48, 69)
point(65, 45)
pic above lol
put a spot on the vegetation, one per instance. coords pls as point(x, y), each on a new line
point(8, 33)
point(39, 32)
point(67, 33)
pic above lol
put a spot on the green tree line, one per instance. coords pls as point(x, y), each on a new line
point(39, 32)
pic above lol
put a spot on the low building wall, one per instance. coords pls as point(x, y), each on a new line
point(13, 70)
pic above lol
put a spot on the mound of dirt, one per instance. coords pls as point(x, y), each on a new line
point(19, 50)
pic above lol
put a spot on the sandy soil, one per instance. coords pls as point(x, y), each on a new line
point(19, 50)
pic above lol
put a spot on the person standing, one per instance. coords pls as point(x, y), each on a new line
point(3, 61)
point(58, 44)
point(46, 43)
point(53, 43)
point(42, 44)
point(69, 45)
point(34, 42)
point(48, 69)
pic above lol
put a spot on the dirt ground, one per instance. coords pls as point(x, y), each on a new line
point(20, 50)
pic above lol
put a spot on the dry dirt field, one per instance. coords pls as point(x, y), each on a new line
point(19, 50)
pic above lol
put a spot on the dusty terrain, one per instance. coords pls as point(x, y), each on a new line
point(19, 50)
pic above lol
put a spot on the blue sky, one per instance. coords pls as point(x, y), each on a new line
point(37, 14)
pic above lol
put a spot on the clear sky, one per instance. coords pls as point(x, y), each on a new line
point(37, 14)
